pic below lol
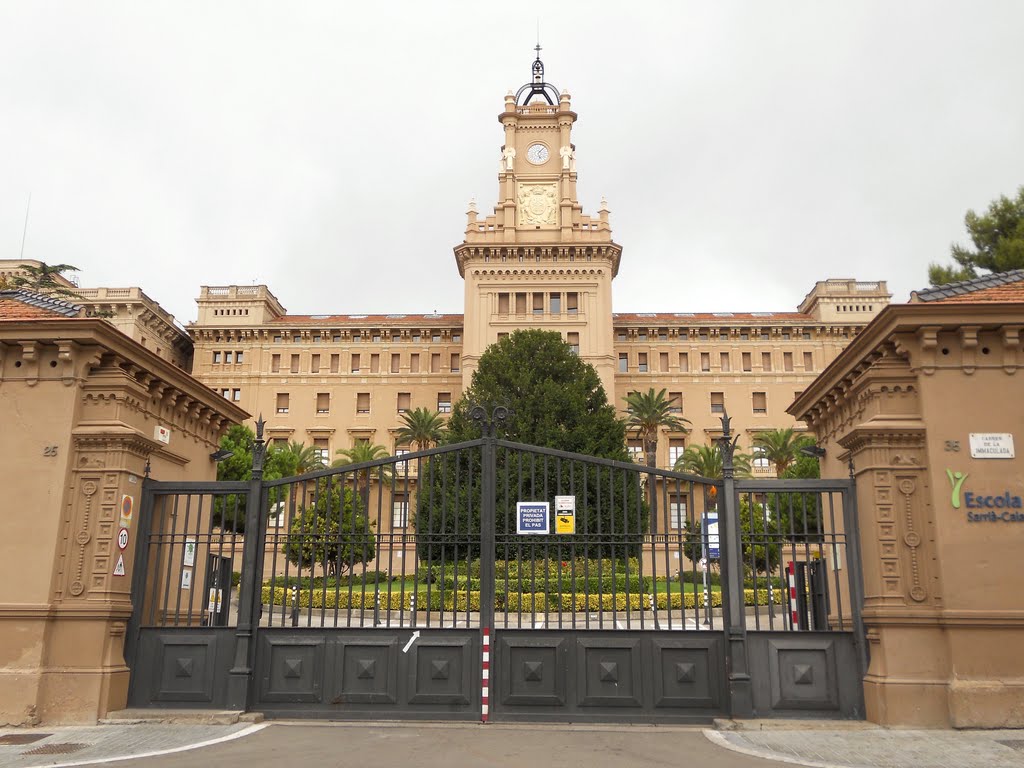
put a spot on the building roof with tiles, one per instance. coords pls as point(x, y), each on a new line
point(21, 304)
point(998, 287)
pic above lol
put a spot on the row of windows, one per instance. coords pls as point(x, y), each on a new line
point(371, 363)
point(684, 334)
point(538, 303)
point(758, 402)
point(644, 361)
point(223, 312)
point(323, 402)
point(677, 447)
point(228, 357)
point(375, 337)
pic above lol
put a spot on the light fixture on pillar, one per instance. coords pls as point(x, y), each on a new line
point(221, 454)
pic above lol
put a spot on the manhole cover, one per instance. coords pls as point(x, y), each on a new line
point(1012, 743)
point(55, 749)
point(21, 738)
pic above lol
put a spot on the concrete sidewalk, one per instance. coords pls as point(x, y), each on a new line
point(863, 745)
point(430, 744)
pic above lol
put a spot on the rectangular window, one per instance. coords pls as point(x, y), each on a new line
point(376, 338)
point(641, 335)
point(766, 361)
point(502, 303)
point(275, 363)
point(414, 363)
point(663, 362)
point(228, 357)
point(444, 402)
point(623, 362)
point(435, 363)
point(435, 337)
point(573, 340)
point(502, 336)
point(282, 402)
point(401, 467)
point(456, 338)
point(295, 364)
point(787, 361)
point(456, 362)
point(320, 445)
point(236, 395)
point(538, 303)
point(404, 401)
point(808, 361)
point(520, 303)
point(399, 511)
point(675, 402)
point(620, 336)
point(725, 362)
point(636, 450)
point(314, 363)
point(415, 337)
point(355, 363)
point(297, 339)
point(374, 363)
point(760, 402)
point(717, 402)
point(676, 446)
point(684, 362)
point(555, 303)
point(226, 393)
point(356, 338)
point(641, 362)
point(396, 361)
point(277, 339)
point(216, 358)
point(572, 303)
point(335, 363)
point(323, 402)
point(395, 337)
point(336, 338)
point(677, 512)
point(705, 361)
point(746, 361)
point(238, 357)
point(363, 402)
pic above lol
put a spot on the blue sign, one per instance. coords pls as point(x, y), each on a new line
point(533, 517)
point(710, 531)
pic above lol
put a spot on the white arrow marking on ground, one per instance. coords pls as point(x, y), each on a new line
point(412, 640)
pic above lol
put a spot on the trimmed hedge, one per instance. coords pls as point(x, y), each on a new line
point(529, 602)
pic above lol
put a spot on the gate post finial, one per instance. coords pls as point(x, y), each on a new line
point(727, 445)
point(489, 421)
point(259, 449)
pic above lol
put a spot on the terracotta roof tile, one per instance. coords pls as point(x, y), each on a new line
point(20, 304)
point(997, 287)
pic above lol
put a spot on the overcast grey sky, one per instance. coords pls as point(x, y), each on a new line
point(329, 149)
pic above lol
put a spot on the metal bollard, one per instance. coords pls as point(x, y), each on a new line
point(295, 606)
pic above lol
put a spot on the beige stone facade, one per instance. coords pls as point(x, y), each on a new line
point(941, 523)
point(83, 409)
point(537, 261)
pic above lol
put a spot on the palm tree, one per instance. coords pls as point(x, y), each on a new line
point(422, 427)
point(706, 461)
point(781, 447)
point(647, 412)
point(359, 453)
point(43, 279)
point(299, 458)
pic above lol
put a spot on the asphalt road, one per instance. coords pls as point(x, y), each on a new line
point(458, 745)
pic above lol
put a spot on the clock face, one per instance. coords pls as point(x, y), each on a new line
point(537, 154)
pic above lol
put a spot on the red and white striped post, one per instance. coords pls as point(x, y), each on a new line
point(485, 687)
point(794, 613)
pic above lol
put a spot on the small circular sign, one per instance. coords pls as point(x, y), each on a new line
point(122, 538)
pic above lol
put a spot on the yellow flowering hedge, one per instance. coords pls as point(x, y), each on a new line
point(526, 602)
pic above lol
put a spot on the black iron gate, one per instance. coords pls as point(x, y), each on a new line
point(494, 580)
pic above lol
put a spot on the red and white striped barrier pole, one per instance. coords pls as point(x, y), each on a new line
point(794, 614)
point(486, 676)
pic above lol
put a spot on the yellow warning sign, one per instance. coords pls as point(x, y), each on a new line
point(565, 523)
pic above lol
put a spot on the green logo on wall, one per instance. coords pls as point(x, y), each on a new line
point(956, 480)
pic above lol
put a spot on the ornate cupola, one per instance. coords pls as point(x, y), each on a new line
point(538, 243)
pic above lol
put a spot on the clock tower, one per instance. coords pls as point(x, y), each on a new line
point(538, 261)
